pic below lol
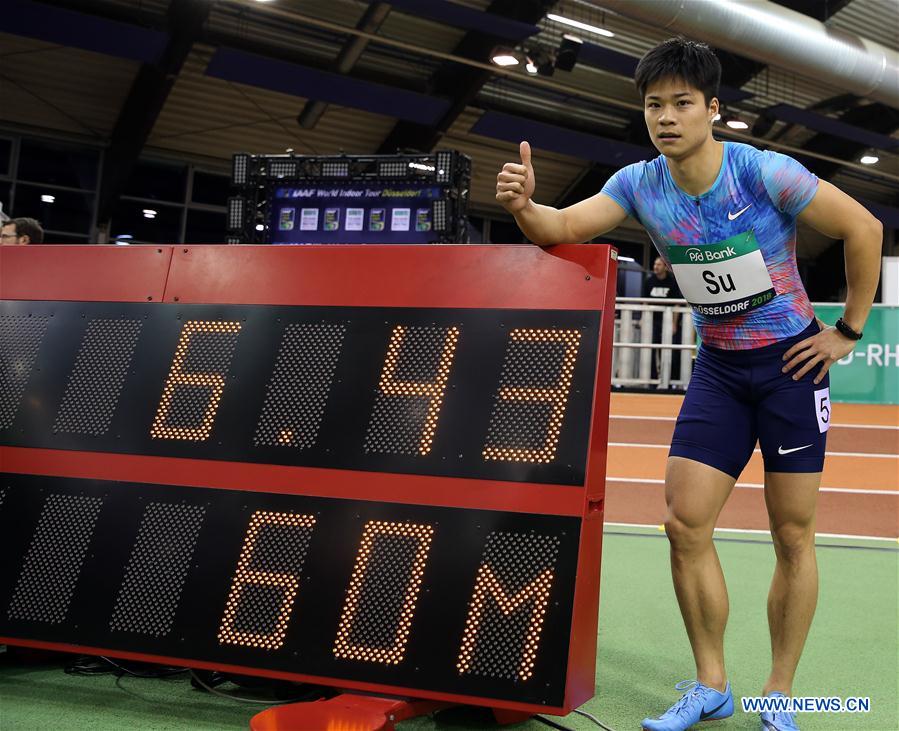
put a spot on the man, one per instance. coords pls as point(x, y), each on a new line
point(21, 231)
point(660, 284)
point(724, 215)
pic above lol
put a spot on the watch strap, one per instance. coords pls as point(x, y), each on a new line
point(847, 331)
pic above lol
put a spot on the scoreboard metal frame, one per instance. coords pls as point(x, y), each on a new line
point(451, 522)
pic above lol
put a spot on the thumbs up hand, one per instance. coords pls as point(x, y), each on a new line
point(515, 183)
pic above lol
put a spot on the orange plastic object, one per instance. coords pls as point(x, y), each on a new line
point(346, 712)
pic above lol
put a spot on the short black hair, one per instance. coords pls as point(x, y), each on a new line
point(28, 227)
point(679, 58)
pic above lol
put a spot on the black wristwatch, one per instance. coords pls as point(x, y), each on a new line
point(846, 330)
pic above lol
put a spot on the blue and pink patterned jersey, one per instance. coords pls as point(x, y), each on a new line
point(756, 192)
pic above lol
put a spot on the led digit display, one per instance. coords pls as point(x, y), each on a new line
point(156, 571)
point(298, 389)
point(383, 592)
point(359, 467)
point(95, 384)
point(53, 563)
point(450, 599)
point(501, 643)
point(403, 389)
point(526, 392)
point(500, 395)
point(266, 580)
point(190, 399)
point(20, 338)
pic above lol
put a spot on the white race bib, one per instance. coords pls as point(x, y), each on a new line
point(727, 278)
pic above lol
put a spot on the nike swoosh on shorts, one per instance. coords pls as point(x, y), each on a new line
point(732, 216)
point(781, 450)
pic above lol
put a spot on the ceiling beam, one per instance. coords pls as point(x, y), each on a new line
point(371, 20)
point(875, 117)
point(820, 11)
point(461, 83)
point(737, 70)
point(148, 94)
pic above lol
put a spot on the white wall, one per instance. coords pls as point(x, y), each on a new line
point(889, 280)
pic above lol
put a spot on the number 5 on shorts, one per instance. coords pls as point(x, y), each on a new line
point(822, 409)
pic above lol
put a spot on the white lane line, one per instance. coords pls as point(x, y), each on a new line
point(756, 531)
point(832, 426)
point(643, 418)
point(873, 455)
point(756, 486)
point(650, 446)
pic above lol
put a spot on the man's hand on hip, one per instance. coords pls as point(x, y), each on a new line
point(826, 348)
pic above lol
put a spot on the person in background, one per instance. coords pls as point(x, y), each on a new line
point(661, 284)
point(21, 231)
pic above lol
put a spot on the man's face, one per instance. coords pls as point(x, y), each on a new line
point(9, 237)
point(659, 268)
point(677, 118)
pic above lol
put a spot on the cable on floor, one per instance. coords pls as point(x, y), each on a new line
point(594, 719)
point(552, 724)
point(244, 699)
point(100, 665)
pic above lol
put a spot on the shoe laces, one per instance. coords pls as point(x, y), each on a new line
point(691, 689)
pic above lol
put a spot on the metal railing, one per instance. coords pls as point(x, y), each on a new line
point(650, 329)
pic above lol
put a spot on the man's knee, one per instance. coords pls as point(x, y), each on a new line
point(793, 541)
point(685, 537)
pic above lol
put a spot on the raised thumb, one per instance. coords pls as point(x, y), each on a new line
point(524, 149)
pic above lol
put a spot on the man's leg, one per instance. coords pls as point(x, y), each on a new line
point(695, 494)
point(791, 498)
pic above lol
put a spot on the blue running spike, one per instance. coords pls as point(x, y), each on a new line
point(698, 703)
point(777, 720)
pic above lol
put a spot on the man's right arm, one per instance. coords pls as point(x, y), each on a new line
point(545, 225)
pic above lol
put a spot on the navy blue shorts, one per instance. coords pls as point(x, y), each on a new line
point(738, 397)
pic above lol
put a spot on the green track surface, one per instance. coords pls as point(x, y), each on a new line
point(852, 651)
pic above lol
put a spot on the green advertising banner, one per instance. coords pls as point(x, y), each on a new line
point(869, 374)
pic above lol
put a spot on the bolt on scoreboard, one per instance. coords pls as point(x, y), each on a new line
point(372, 467)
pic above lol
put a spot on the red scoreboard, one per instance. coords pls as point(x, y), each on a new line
point(373, 467)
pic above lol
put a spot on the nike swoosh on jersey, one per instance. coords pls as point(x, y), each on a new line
point(732, 216)
point(781, 450)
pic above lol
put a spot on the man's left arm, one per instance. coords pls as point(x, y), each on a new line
point(837, 215)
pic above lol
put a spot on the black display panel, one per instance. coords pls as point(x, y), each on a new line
point(493, 394)
point(361, 213)
point(451, 600)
